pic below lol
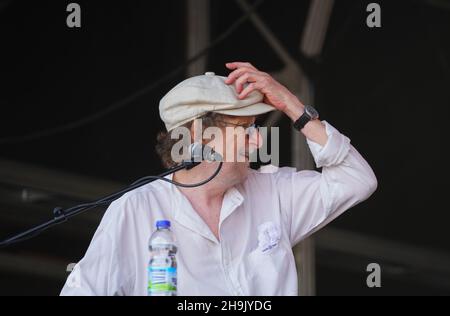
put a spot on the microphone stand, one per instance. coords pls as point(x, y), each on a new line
point(61, 215)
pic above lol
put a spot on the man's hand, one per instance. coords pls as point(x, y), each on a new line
point(275, 94)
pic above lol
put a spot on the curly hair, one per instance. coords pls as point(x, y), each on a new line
point(165, 142)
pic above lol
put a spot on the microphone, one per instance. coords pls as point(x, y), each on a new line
point(199, 153)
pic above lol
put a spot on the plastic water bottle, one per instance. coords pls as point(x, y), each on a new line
point(162, 267)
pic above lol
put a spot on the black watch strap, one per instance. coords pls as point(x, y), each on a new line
point(301, 122)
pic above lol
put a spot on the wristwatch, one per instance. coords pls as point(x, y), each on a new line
point(309, 114)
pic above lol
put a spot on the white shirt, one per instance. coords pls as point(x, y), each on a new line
point(261, 220)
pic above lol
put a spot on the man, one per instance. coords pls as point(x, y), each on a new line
point(234, 234)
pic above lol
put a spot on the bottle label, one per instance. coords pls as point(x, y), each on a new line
point(162, 279)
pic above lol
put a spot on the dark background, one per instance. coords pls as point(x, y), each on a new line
point(387, 89)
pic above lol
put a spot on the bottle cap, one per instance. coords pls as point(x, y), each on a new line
point(162, 224)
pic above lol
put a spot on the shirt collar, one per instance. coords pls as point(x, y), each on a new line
point(186, 215)
point(231, 201)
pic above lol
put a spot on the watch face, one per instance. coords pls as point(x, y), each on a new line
point(312, 112)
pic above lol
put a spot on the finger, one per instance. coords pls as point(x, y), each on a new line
point(238, 64)
point(249, 89)
point(236, 73)
point(246, 77)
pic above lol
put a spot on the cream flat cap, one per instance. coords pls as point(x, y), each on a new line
point(198, 95)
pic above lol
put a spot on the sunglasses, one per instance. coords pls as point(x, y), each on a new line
point(249, 129)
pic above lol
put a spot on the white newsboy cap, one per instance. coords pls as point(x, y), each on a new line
point(199, 95)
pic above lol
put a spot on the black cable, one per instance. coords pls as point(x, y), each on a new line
point(144, 180)
point(125, 101)
point(178, 184)
point(61, 215)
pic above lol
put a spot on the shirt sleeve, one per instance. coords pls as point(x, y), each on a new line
point(99, 272)
point(310, 199)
